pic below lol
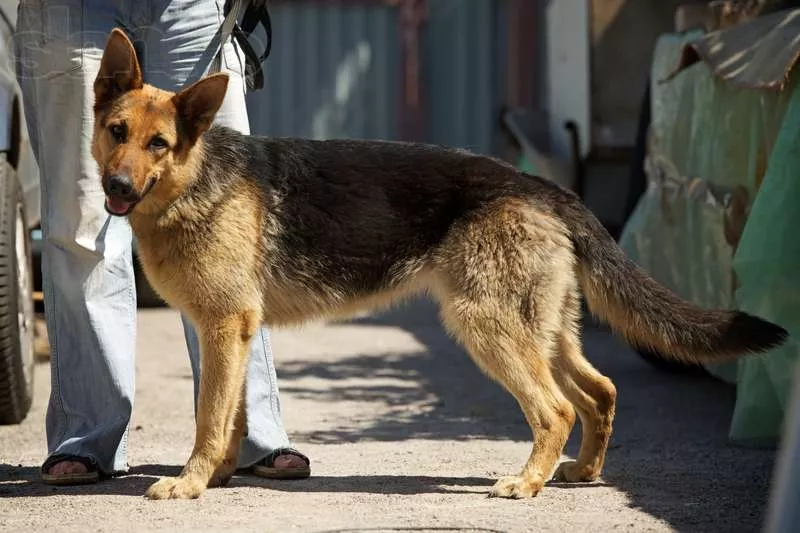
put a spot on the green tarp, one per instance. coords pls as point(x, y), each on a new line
point(715, 153)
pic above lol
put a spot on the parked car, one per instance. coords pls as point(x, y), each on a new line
point(19, 213)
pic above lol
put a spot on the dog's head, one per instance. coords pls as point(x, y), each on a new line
point(144, 136)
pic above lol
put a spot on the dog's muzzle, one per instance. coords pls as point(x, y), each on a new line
point(121, 195)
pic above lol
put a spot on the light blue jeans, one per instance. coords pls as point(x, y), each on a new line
point(90, 297)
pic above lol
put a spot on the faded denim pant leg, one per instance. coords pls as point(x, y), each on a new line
point(90, 297)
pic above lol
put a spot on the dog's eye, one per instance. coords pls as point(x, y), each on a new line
point(119, 132)
point(158, 143)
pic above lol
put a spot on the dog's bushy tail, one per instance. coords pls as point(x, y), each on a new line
point(645, 313)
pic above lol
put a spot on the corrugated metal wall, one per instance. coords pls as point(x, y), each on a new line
point(462, 70)
point(336, 71)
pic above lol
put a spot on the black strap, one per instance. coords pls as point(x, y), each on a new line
point(256, 12)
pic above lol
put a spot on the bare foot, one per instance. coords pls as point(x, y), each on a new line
point(67, 467)
point(290, 464)
point(70, 472)
point(289, 461)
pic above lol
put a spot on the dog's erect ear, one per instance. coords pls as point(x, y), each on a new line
point(198, 104)
point(119, 69)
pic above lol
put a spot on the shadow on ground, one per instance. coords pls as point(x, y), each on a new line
point(436, 393)
point(24, 481)
point(669, 452)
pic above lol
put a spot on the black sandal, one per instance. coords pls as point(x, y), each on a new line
point(266, 466)
point(92, 474)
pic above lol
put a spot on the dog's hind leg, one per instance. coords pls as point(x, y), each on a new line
point(223, 362)
point(593, 395)
point(503, 278)
point(518, 359)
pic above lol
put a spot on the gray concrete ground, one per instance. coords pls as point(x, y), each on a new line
point(405, 435)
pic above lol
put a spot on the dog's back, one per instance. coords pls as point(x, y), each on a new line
point(361, 216)
point(352, 218)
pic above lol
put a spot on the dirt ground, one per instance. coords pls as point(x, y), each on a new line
point(404, 434)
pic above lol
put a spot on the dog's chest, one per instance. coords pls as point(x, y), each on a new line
point(167, 267)
point(195, 270)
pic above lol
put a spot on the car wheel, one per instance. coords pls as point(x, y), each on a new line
point(16, 302)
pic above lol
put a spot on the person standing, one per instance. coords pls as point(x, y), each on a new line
point(87, 265)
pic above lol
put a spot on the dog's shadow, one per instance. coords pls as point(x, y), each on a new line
point(25, 481)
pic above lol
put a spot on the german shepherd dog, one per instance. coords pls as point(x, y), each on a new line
point(239, 231)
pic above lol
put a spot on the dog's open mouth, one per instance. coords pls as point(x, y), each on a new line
point(118, 206)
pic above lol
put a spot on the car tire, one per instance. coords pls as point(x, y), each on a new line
point(16, 301)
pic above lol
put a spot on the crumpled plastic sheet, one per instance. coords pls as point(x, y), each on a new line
point(756, 54)
point(709, 150)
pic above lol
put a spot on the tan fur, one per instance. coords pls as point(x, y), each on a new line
point(506, 278)
point(505, 281)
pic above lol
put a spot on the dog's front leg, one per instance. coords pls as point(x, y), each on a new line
point(223, 362)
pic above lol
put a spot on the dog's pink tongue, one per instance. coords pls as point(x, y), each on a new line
point(117, 206)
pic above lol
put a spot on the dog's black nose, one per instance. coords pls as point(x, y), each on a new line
point(120, 185)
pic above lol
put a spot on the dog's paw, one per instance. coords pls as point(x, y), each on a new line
point(515, 487)
point(570, 472)
point(175, 488)
point(223, 475)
